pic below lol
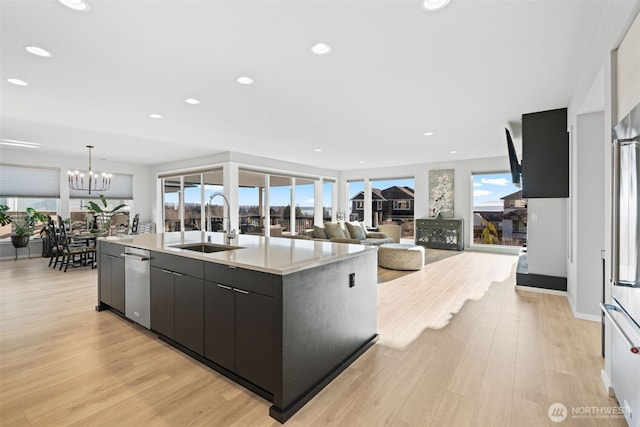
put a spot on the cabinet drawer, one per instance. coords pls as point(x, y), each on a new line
point(179, 264)
point(110, 248)
point(248, 280)
point(451, 224)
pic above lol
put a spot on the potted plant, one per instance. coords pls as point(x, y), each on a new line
point(102, 214)
point(22, 227)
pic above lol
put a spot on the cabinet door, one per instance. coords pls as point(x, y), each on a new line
point(161, 299)
point(117, 283)
point(219, 325)
point(189, 312)
point(104, 267)
point(254, 338)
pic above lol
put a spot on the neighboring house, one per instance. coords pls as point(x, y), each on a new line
point(514, 221)
point(510, 221)
point(393, 203)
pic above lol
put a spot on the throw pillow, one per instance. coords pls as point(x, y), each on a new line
point(319, 232)
point(334, 230)
point(355, 230)
point(364, 228)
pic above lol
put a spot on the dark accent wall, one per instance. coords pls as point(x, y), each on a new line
point(545, 154)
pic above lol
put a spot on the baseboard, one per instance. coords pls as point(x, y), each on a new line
point(590, 317)
point(542, 281)
point(607, 383)
point(540, 290)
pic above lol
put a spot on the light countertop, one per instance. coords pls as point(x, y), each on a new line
point(268, 254)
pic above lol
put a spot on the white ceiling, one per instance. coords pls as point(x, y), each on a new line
point(395, 72)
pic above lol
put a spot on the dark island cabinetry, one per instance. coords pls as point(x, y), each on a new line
point(239, 332)
point(176, 297)
point(162, 301)
point(239, 322)
point(282, 318)
point(111, 276)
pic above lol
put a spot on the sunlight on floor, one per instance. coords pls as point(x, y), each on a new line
point(411, 302)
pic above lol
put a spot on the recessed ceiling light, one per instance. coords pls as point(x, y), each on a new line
point(317, 150)
point(18, 143)
point(360, 161)
point(431, 5)
point(78, 5)
point(452, 152)
point(428, 133)
point(38, 51)
point(192, 101)
point(320, 48)
point(18, 82)
point(244, 80)
point(155, 116)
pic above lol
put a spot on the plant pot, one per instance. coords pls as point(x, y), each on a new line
point(20, 241)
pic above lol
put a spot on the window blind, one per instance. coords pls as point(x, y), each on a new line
point(29, 181)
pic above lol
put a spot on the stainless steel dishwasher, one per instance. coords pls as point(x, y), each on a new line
point(137, 272)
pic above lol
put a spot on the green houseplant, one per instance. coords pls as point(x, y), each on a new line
point(102, 213)
point(22, 226)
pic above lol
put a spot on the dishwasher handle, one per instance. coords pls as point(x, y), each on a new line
point(635, 349)
point(135, 257)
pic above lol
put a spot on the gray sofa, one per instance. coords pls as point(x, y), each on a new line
point(346, 232)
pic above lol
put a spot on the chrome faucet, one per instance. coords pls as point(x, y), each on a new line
point(231, 234)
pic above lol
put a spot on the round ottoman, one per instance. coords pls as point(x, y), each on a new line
point(400, 256)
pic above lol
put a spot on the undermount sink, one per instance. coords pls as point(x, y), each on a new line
point(207, 248)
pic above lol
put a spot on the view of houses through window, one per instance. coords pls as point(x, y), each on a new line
point(392, 202)
point(499, 211)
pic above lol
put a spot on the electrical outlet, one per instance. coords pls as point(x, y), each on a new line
point(352, 280)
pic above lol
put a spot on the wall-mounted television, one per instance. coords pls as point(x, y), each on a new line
point(516, 167)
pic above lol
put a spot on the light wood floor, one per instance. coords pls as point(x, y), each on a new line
point(459, 347)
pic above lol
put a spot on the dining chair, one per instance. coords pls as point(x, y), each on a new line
point(55, 247)
point(73, 253)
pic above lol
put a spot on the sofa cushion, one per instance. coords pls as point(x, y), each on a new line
point(355, 230)
point(334, 230)
point(319, 232)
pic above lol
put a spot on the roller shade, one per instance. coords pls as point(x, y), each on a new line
point(29, 181)
point(121, 188)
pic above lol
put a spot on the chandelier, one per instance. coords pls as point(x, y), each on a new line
point(94, 181)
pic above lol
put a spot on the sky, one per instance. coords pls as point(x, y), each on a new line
point(488, 189)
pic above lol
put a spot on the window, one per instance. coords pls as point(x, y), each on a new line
point(24, 187)
point(401, 205)
point(327, 200)
point(394, 199)
point(80, 217)
point(499, 211)
point(305, 204)
point(17, 207)
point(355, 192)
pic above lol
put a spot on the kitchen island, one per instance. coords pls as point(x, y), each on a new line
point(282, 317)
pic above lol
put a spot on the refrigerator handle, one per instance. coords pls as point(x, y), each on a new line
point(615, 209)
point(635, 349)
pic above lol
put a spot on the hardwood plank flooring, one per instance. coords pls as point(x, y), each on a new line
point(459, 346)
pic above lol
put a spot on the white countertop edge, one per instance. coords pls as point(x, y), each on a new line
point(220, 257)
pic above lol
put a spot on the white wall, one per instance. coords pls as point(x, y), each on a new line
point(547, 236)
point(584, 287)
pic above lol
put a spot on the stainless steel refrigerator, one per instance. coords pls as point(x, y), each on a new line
point(624, 310)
